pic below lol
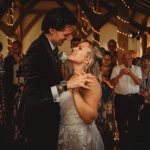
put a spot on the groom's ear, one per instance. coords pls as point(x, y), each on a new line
point(52, 30)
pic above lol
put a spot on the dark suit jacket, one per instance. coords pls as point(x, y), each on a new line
point(38, 112)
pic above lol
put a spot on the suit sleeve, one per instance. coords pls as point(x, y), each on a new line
point(34, 69)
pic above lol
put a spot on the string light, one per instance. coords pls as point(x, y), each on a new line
point(122, 20)
point(96, 31)
point(116, 135)
point(10, 22)
point(8, 45)
point(125, 4)
point(96, 12)
point(96, 41)
point(84, 31)
point(123, 33)
point(119, 47)
point(9, 38)
point(84, 19)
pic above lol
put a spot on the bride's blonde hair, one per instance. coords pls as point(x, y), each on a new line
point(95, 57)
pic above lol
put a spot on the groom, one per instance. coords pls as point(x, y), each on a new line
point(38, 112)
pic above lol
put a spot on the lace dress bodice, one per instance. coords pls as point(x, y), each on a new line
point(74, 133)
point(69, 114)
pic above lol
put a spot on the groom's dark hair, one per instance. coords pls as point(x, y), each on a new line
point(57, 18)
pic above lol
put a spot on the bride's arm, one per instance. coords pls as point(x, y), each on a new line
point(86, 101)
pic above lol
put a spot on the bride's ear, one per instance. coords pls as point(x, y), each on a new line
point(88, 61)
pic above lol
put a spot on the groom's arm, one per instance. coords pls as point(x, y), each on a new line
point(58, 89)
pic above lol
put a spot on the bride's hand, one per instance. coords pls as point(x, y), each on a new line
point(78, 81)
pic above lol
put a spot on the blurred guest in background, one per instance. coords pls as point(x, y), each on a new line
point(127, 79)
point(3, 117)
point(105, 120)
point(148, 51)
point(112, 48)
point(12, 78)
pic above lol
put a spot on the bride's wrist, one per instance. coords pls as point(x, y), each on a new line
point(76, 90)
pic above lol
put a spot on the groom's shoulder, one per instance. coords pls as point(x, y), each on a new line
point(37, 45)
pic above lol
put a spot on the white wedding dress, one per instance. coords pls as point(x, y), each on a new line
point(74, 133)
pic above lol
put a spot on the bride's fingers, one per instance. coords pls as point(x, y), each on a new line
point(77, 73)
point(90, 75)
point(83, 72)
point(90, 81)
point(84, 86)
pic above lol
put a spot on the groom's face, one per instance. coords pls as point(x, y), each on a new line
point(59, 36)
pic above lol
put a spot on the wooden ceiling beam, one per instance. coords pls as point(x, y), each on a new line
point(37, 11)
point(142, 10)
point(134, 6)
point(142, 5)
point(138, 26)
point(96, 20)
point(106, 5)
point(4, 7)
point(131, 3)
point(31, 24)
point(6, 29)
point(145, 2)
point(61, 4)
point(144, 21)
point(24, 14)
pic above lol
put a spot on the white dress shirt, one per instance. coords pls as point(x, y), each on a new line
point(126, 85)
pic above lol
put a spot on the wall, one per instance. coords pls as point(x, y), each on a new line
point(32, 34)
point(108, 31)
point(3, 39)
point(148, 40)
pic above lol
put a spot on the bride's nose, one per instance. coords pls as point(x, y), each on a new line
point(74, 49)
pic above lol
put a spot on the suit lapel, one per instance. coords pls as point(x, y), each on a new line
point(49, 50)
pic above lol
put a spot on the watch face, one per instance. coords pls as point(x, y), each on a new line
point(63, 82)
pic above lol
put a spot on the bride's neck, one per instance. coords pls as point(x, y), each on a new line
point(77, 71)
point(78, 68)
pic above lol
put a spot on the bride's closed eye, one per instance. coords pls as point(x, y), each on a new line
point(80, 48)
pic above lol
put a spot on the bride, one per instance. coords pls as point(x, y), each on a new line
point(79, 106)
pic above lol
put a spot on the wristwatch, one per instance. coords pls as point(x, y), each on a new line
point(64, 85)
point(61, 87)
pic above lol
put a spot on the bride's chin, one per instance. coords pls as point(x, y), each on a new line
point(69, 58)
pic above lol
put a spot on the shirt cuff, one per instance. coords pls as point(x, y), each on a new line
point(55, 94)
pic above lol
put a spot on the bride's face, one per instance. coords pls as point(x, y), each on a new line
point(79, 53)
